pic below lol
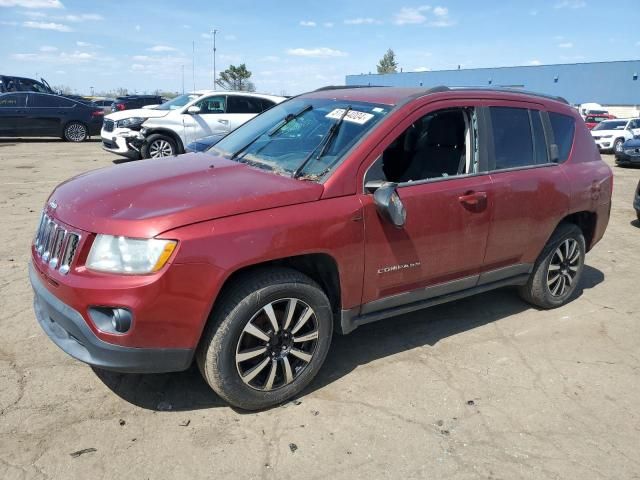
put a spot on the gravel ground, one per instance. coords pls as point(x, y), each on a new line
point(487, 387)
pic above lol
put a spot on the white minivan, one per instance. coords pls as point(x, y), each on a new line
point(165, 129)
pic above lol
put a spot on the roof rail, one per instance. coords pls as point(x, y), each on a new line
point(343, 87)
point(513, 90)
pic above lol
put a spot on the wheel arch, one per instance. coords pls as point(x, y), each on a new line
point(586, 221)
point(170, 133)
point(320, 267)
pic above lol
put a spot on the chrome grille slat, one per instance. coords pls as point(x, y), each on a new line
point(55, 244)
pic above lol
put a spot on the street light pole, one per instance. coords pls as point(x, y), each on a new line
point(213, 34)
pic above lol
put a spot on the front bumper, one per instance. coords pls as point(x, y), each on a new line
point(122, 141)
point(68, 330)
point(623, 158)
point(604, 144)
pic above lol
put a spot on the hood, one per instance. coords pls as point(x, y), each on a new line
point(602, 133)
point(144, 198)
point(633, 143)
point(137, 112)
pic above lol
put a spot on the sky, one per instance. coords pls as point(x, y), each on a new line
point(296, 46)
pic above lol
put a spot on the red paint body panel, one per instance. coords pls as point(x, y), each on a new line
point(233, 216)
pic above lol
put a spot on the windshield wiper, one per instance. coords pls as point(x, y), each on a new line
point(324, 143)
point(289, 118)
point(274, 130)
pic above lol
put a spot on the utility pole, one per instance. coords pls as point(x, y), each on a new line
point(213, 35)
point(193, 64)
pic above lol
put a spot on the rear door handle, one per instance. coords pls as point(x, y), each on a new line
point(224, 122)
point(474, 200)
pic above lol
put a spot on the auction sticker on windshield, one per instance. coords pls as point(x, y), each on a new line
point(353, 116)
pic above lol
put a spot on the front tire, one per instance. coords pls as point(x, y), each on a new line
point(266, 339)
point(617, 145)
point(159, 146)
point(75, 132)
point(558, 270)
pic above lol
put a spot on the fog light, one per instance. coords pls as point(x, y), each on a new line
point(111, 319)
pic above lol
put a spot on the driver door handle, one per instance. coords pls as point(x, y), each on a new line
point(474, 200)
point(224, 122)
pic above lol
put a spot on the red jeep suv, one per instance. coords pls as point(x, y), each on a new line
point(336, 208)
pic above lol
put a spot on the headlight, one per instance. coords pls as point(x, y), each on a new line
point(129, 255)
point(130, 122)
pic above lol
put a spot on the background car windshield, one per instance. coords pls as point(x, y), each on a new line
point(277, 141)
point(611, 125)
point(178, 102)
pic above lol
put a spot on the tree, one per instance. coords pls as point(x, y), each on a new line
point(63, 89)
point(388, 63)
point(236, 78)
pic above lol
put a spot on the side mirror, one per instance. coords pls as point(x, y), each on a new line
point(387, 202)
point(554, 153)
point(193, 110)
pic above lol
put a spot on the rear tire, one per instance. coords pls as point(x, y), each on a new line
point(279, 313)
point(75, 132)
point(558, 269)
point(159, 146)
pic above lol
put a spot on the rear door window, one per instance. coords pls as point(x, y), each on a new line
point(564, 128)
point(49, 101)
point(240, 104)
point(512, 138)
point(13, 100)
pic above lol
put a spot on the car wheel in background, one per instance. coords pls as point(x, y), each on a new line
point(617, 145)
point(75, 132)
point(266, 339)
point(557, 270)
point(158, 146)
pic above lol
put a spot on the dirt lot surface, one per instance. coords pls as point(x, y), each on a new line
point(485, 388)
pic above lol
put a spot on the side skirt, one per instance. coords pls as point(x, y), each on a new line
point(435, 295)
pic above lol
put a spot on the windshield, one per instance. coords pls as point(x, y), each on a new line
point(178, 102)
point(296, 138)
point(611, 125)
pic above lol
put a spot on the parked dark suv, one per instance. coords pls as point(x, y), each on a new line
point(328, 211)
point(130, 102)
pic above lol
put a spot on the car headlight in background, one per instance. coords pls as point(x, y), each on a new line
point(132, 122)
point(129, 255)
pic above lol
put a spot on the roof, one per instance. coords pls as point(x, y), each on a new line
point(394, 95)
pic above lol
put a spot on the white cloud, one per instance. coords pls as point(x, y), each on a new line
point(61, 72)
point(421, 69)
point(48, 48)
point(83, 17)
point(138, 28)
point(328, 24)
point(565, 45)
point(533, 12)
point(31, 3)
point(420, 15)
point(230, 38)
point(362, 21)
point(87, 45)
point(10, 24)
point(162, 48)
point(270, 58)
point(307, 23)
point(534, 62)
point(321, 52)
point(58, 27)
point(411, 16)
point(56, 58)
point(571, 4)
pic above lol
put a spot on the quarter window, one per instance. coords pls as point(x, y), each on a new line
point(41, 101)
point(512, 137)
point(564, 128)
point(239, 104)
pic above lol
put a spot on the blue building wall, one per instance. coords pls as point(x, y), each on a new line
point(607, 83)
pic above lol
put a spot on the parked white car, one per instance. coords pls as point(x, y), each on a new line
point(610, 135)
point(166, 129)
